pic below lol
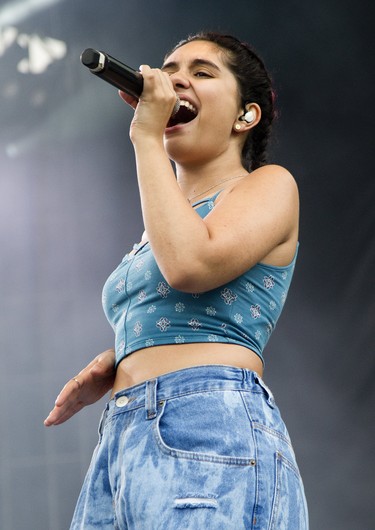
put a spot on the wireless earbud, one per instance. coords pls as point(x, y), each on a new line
point(248, 117)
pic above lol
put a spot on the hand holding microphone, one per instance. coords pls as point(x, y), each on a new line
point(116, 73)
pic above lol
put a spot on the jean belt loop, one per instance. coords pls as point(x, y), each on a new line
point(150, 399)
point(102, 421)
point(267, 391)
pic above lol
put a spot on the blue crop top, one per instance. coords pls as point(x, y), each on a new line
point(145, 311)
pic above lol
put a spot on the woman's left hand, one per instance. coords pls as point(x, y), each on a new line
point(95, 380)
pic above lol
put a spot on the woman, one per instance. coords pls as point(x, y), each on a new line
point(192, 437)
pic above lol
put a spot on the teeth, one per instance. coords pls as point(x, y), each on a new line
point(184, 103)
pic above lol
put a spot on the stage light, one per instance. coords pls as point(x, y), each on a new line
point(42, 52)
point(7, 38)
point(14, 12)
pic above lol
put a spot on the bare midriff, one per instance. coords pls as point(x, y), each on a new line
point(149, 363)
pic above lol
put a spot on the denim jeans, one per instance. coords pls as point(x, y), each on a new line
point(201, 448)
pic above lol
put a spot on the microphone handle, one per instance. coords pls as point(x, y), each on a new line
point(116, 73)
point(113, 71)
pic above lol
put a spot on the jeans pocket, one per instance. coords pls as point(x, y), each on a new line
point(289, 508)
point(206, 426)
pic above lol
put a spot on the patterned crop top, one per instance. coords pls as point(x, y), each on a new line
point(145, 311)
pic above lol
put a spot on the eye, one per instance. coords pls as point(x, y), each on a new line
point(202, 73)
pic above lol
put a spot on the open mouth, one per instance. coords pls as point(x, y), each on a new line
point(186, 113)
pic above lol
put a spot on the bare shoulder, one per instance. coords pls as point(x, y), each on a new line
point(266, 187)
point(275, 174)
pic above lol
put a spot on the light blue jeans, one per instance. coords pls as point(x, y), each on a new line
point(203, 448)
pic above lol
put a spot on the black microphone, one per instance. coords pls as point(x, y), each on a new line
point(116, 73)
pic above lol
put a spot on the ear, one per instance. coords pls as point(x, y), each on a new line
point(248, 118)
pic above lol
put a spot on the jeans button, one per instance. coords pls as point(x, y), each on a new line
point(122, 401)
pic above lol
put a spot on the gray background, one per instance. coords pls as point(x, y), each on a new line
point(69, 210)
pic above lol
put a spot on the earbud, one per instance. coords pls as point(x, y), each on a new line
point(248, 117)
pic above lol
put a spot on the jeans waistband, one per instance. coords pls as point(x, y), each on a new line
point(182, 382)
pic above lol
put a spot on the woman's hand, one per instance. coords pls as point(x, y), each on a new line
point(86, 388)
point(155, 106)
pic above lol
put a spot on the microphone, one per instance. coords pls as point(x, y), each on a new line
point(116, 73)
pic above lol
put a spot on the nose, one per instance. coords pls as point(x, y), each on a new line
point(180, 80)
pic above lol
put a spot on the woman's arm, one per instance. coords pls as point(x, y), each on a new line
point(95, 380)
point(256, 221)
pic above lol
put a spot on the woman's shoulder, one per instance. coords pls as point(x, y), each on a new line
point(274, 171)
point(267, 183)
point(274, 182)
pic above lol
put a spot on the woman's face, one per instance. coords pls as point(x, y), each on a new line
point(203, 129)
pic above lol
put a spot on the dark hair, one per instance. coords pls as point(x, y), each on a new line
point(255, 86)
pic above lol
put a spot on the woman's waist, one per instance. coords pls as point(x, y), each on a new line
point(152, 362)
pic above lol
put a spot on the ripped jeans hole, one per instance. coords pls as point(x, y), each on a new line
point(195, 502)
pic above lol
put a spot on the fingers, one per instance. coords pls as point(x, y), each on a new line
point(153, 77)
point(67, 404)
point(78, 382)
point(53, 417)
point(104, 365)
point(59, 415)
point(69, 392)
point(130, 100)
point(156, 78)
point(156, 83)
point(83, 389)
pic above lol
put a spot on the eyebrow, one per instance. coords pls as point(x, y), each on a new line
point(195, 62)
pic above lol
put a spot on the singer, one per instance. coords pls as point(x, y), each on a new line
point(191, 437)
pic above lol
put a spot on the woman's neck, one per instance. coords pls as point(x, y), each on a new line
point(195, 181)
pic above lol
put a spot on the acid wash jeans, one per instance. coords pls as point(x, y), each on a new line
point(202, 448)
